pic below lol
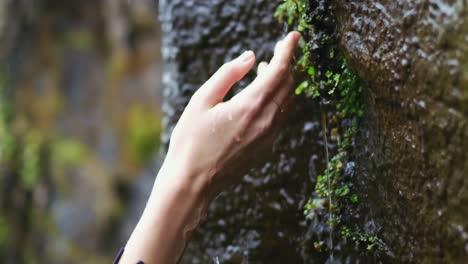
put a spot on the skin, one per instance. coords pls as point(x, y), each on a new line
point(211, 145)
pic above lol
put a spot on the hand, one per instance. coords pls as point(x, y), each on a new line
point(209, 143)
point(215, 138)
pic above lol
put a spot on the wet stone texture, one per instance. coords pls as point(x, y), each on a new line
point(410, 153)
point(413, 160)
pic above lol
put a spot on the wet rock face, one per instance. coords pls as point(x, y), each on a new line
point(413, 161)
point(411, 156)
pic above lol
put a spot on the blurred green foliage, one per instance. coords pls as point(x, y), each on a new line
point(74, 129)
point(3, 231)
point(7, 142)
point(143, 134)
point(80, 40)
point(68, 151)
point(30, 160)
point(7, 147)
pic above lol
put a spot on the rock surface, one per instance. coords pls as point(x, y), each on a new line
point(411, 149)
point(414, 141)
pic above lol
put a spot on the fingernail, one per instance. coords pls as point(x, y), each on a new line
point(246, 56)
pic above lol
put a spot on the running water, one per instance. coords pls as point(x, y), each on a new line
point(330, 213)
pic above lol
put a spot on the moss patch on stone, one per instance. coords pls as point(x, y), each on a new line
point(324, 75)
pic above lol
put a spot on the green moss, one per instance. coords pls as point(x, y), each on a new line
point(292, 11)
point(325, 76)
point(369, 241)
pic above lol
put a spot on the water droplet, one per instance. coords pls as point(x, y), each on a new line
point(404, 62)
point(286, 196)
point(422, 104)
point(276, 206)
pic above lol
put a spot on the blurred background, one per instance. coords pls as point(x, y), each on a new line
point(79, 126)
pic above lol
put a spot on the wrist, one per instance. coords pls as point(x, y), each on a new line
point(183, 171)
point(179, 185)
point(179, 196)
point(174, 210)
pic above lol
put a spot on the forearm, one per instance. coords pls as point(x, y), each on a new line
point(174, 209)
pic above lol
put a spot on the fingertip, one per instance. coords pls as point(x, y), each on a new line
point(226, 76)
point(254, 57)
point(261, 67)
point(247, 56)
point(294, 37)
point(244, 63)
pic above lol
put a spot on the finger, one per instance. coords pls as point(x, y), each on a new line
point(285, 90)
point(265, 85)
point(216, 88)
point(284, 49)
point(261, 67)
point(277, 47)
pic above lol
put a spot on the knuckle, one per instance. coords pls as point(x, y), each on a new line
point(282, 68)
point(197, 93)
point(228, 68)
point(270, 120)
point(255, 104)
point(250, 111)
point(197, 97)
point(258, 103)
point(289, 80)
point(262, 129)
point(265, 126)
point(260, 99)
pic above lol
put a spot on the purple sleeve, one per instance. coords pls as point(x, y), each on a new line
point(119, 255)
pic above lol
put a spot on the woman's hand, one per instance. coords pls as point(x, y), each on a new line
point(211, 141)
point(215, 138)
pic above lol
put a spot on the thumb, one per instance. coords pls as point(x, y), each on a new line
point(216, 88)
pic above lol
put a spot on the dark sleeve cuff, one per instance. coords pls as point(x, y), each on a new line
point(119, 255)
